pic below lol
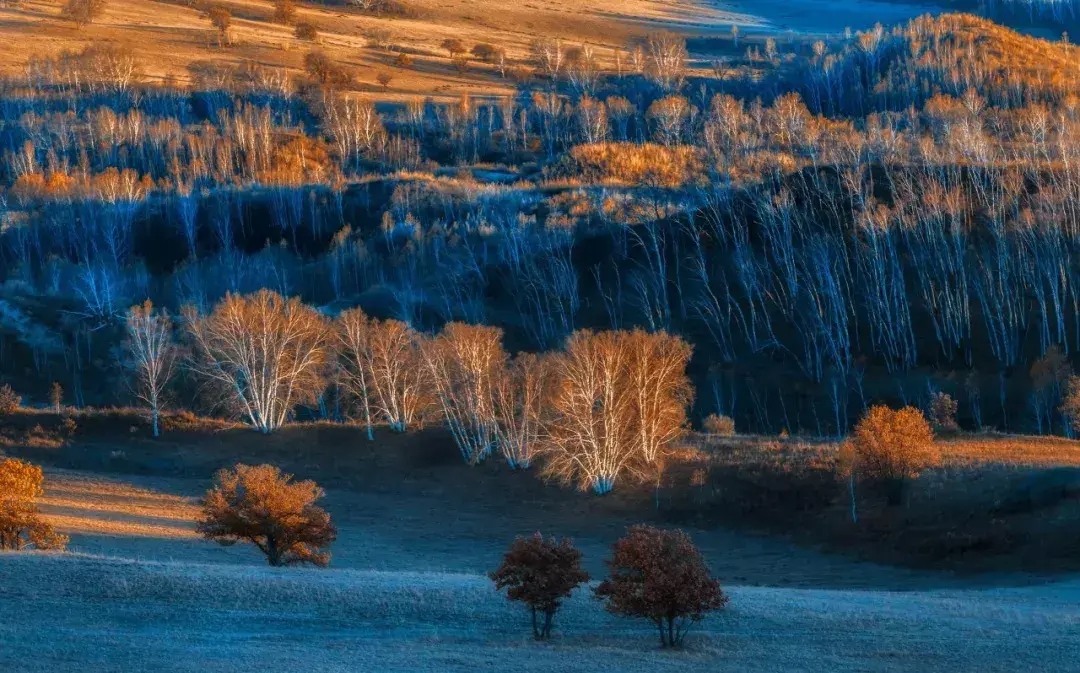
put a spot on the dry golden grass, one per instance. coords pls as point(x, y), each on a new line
point(1010, 450)
point(77, 503)
point(633, 164)
point(168, 36)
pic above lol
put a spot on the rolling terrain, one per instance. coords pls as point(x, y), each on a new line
point(406, 592)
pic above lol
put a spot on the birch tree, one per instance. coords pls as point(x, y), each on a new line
point(355, 357)
point(151, 355)
point(464, 363)
point(266, 353)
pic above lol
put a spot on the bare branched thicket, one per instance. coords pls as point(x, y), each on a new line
point(265, 354)
point(465, 364)
point(21, 524)
point(262, 506)
point(522, 399)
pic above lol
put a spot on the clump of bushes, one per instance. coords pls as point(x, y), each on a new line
point(719, 425)
point(943, 410)
point(306, 31)
point(9, 400)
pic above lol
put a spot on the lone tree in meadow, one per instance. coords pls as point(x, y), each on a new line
point(221, 19)
point(892, 447)
point(660, 575)
point(83, 12)
point(540, 573)
point(21, 525)
point(453, 46)
point(260, 505)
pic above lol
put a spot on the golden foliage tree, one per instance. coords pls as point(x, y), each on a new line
point(521, 399)
point(260, 505)
point(892, 447)
point(21, 525)
point(354, 331)
point(266, 353)
point(398, 375)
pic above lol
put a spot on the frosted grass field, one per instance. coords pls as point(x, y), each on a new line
point(90, 613)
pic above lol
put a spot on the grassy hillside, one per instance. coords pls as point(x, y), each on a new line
point(109, 614)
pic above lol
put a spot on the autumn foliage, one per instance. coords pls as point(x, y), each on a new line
point(21, 525)
point(262, 506)
point(540, 573)
point(660, 575)
point(892, 447)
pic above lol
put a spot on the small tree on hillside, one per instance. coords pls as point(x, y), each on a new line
point(260, 505)
point(83, 12)
point(285, 12)
point(892, 447)
point(306, 31)
point(56, 396)
point(1070, 404)
point(943, 410)
point(10, 401)
point(221, 20)
point(666, 60)
point(150, 354)
point(21, 525)
point(540, 573)
point(324, 71)
point(661, 576)
point(453, 46)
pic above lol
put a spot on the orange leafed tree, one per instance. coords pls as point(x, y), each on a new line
point(260, 505)
point(21, 525)
point(265, 353)
point(892, 447)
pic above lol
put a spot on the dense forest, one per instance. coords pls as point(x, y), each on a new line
point(876, 218)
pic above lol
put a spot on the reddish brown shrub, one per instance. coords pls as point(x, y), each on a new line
point(661, 576)
point(540, 573)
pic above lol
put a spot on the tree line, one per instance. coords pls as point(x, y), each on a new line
point(608, 404)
